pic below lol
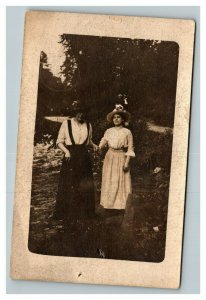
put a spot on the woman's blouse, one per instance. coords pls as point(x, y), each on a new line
point(118, 138)
point(79, 132)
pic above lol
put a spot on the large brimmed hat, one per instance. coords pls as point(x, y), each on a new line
point(119, 109)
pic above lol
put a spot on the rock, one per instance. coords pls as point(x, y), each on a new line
point(156, 229)
point(157, 170)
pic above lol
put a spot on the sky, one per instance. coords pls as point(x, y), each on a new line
point(55, 55)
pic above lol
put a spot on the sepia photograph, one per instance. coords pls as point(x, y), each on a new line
point(102, 148)
point(103, 125)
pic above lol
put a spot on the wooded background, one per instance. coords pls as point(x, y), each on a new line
point(102, 71)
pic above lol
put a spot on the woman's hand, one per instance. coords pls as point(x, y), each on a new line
point(95, 148)
point(67, 155)
point(66, 152)
point(126, 164)
point(126, 167)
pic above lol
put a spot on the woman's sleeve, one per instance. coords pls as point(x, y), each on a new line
point(130, 151)
point(104, 140)
point(61, 135)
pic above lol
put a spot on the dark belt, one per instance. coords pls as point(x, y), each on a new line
point(123, 149)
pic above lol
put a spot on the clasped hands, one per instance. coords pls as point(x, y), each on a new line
point(96, 148)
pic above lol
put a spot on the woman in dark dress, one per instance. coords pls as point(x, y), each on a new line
point(76, 196)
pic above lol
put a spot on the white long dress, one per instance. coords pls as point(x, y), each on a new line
point(116, 184)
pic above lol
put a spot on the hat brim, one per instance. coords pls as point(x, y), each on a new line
point(126, 115)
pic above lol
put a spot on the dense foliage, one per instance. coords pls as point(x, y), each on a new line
point(101, 71)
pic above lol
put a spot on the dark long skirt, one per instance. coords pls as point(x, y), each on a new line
point(75, 197)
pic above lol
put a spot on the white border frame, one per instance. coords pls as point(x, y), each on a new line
point(26, 265)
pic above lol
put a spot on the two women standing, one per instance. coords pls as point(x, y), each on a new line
point(76, 186)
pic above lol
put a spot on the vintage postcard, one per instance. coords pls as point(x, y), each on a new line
point(102, 149)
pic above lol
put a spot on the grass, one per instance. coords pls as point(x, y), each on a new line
point(138, 234)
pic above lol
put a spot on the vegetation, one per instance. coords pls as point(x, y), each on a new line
point(100, 72)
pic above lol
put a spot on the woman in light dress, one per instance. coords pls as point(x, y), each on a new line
point(116, 178)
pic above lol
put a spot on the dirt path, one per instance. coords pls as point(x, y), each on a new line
point(157, 128)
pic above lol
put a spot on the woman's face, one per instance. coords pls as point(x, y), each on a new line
point(117, 120)
point(80, 116)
